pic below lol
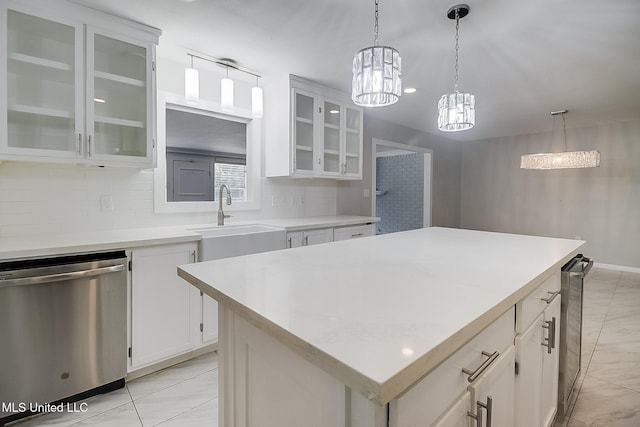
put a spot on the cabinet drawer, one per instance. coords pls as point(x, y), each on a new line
point(354, 232)
point(531, 307)
point(428, 399)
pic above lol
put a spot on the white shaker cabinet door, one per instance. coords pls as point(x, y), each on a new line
point(492, 393)
point(457, 415)
point(529, 381)
point(550, 362)
point(162, 304)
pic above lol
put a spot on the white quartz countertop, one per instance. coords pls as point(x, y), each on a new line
point(57, 244)
point(294, 224)
point(380, 312)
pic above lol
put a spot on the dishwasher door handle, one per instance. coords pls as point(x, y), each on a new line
point(59, 277)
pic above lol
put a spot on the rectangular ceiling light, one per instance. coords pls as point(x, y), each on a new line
point(563, 160)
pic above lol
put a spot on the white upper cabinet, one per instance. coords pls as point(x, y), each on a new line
point(317, 134)
point(75, 92)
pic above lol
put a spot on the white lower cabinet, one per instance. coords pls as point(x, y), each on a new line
point(492, 401)
point(209, 325)
point(550, 363)
point(164, 308)
point(537, 356)
point(458, 414)
point(309, 237)
point(353, 232)
point(481, 367)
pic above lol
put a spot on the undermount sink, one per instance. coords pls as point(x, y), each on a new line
point(228, 241)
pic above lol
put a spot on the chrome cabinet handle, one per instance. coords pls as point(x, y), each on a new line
point(552, 296)
point(357, 235)
point(550, 340)
point(89, 145)
point(306, 240)
point(488, 407)
point(290, 245)
point(480, 369)
point(79, 144)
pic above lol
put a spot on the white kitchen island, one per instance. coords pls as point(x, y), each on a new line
point(340, 334)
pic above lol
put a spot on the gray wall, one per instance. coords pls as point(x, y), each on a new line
point(401, 178)
point(446, 181)
point(600, 205)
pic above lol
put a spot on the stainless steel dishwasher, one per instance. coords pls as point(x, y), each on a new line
point(572, 282)
point(63, 333)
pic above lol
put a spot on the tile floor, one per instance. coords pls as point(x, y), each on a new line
point(610, 380)
point(186, 395)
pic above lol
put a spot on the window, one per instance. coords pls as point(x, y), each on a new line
point(184, 183)
point(234, 176)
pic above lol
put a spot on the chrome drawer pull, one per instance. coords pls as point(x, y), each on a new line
point(551, 298)
point(550, 341)
point(478, 416)
point(480, 369)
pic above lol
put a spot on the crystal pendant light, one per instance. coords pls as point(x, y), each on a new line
point(191, 84)
point(562, 160)
point(457, 110)
point(376, 74)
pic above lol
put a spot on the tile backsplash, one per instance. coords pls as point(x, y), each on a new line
point(37, 199)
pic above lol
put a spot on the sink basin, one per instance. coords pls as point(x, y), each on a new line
point(228, 241)
point(230, 230)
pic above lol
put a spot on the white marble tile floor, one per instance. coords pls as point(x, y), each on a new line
point(186, 395)
point(609, 384)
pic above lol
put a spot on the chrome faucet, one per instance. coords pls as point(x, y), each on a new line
point(221, 214)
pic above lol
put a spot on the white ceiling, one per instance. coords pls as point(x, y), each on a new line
point(522, 59)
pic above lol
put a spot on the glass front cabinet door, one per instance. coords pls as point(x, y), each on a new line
point(352, 152)
point(304, 124)
point(43, 108)
point(119, 97)
point(73, 93)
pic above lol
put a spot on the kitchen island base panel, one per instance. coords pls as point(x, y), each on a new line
point(257, 372)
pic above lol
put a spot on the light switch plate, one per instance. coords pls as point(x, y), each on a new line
point(106, 203)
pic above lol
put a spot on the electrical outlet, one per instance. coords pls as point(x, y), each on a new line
point(276, 201)
point(106, 203)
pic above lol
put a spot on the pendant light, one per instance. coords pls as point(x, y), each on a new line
point(376, 73)
point(257, 108)
point(562, 160)
point(226, 93)
point(191, 84)
point(456, 111)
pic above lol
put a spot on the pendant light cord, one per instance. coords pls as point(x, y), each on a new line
point(455, 86)
point(375, 26)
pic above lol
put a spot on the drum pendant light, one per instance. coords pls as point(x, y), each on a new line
point(376, 74)
point(457, 110)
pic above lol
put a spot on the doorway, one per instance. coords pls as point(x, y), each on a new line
point(402, 183)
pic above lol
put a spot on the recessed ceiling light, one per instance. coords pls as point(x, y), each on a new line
point(410, 90)
point(100, 100)
point(334, 111)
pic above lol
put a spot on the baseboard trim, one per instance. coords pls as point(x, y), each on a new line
point(170, 362)
point(616, 267)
